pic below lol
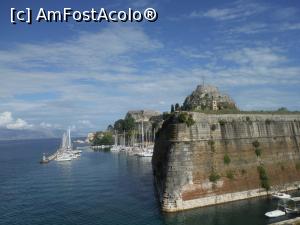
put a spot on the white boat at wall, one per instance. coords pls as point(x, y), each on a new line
point(145, 154)
point(279, 195)
point(63, 157)
point(275, 213)
point(115, 148)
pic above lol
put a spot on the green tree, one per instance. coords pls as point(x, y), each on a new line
point(282, 109)
point(110, 128)
point(227, 159)
point(172, 108)
point(105, 138)
point(166, 115)
point(186, 118)
point(128, 123)
point(177, 107)
point(119, 125)
point(264, 180)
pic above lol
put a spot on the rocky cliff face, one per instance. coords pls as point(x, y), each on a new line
point(224, 158)
point(204, 95)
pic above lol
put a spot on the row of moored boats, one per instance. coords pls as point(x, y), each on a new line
point(65, 152)
point(286, 205)
point(144, 147)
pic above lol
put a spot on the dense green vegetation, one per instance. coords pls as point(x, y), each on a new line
point(220, 111)
point(214, 177)
point(268, 121)
point(255, 144)
point(264, 180)
point(243, 171)
point(227, 159)
point(213, 127)
point(172, 109)
point(234, 111)
point(127, 124)
point(230, 174)
point(103, 138)
point(298, 165)
point(186, 118)
point(222, 122)
point(212, 145)
point(258, 152)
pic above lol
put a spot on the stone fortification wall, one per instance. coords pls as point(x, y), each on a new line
point(224, 158)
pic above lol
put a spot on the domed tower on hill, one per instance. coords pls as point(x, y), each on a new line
point(208, 97)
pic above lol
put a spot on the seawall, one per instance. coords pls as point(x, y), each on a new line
point(224, 158)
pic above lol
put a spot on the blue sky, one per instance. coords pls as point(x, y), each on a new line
point(87, 75)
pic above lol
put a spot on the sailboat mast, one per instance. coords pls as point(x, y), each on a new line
point(138, 136)
point(69, 139)
point(124, 138)
point(142, 133)
point(62, 141)
point(116, 138)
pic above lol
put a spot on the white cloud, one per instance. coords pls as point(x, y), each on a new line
point(266, 99)
point(289, 26)
point(19, 124)
point(85, 123)
point(108, 58)
point(250, 28)
point(45, 125)
point(194, 53)
point(104, 74)
point(5, 118)
point(88, 52)
point(237, 10)
point(255, 56)
point(140, 3)
point(7, 121)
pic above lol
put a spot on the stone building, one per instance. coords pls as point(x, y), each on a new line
point(145, 115)
point(214, 105)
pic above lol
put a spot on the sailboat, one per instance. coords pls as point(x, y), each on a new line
point(66, 152)
point(115, 147)
point(145, 151)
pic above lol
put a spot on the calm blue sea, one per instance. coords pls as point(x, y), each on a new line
point(99, 188)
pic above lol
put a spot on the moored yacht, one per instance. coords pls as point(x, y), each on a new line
point(66, 152)
point(280, 195)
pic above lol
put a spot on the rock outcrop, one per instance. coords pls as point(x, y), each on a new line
point(222, 158)
point(208, 97)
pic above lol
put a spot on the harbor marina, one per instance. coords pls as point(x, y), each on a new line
point(65, 151)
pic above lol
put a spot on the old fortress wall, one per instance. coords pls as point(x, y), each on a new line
point(227, 157)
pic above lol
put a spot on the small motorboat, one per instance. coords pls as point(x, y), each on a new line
point(275, 213)
point(280, 195)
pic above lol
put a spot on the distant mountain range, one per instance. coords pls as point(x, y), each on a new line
point(9, 134)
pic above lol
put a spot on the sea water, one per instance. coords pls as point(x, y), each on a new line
point(98, 188)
